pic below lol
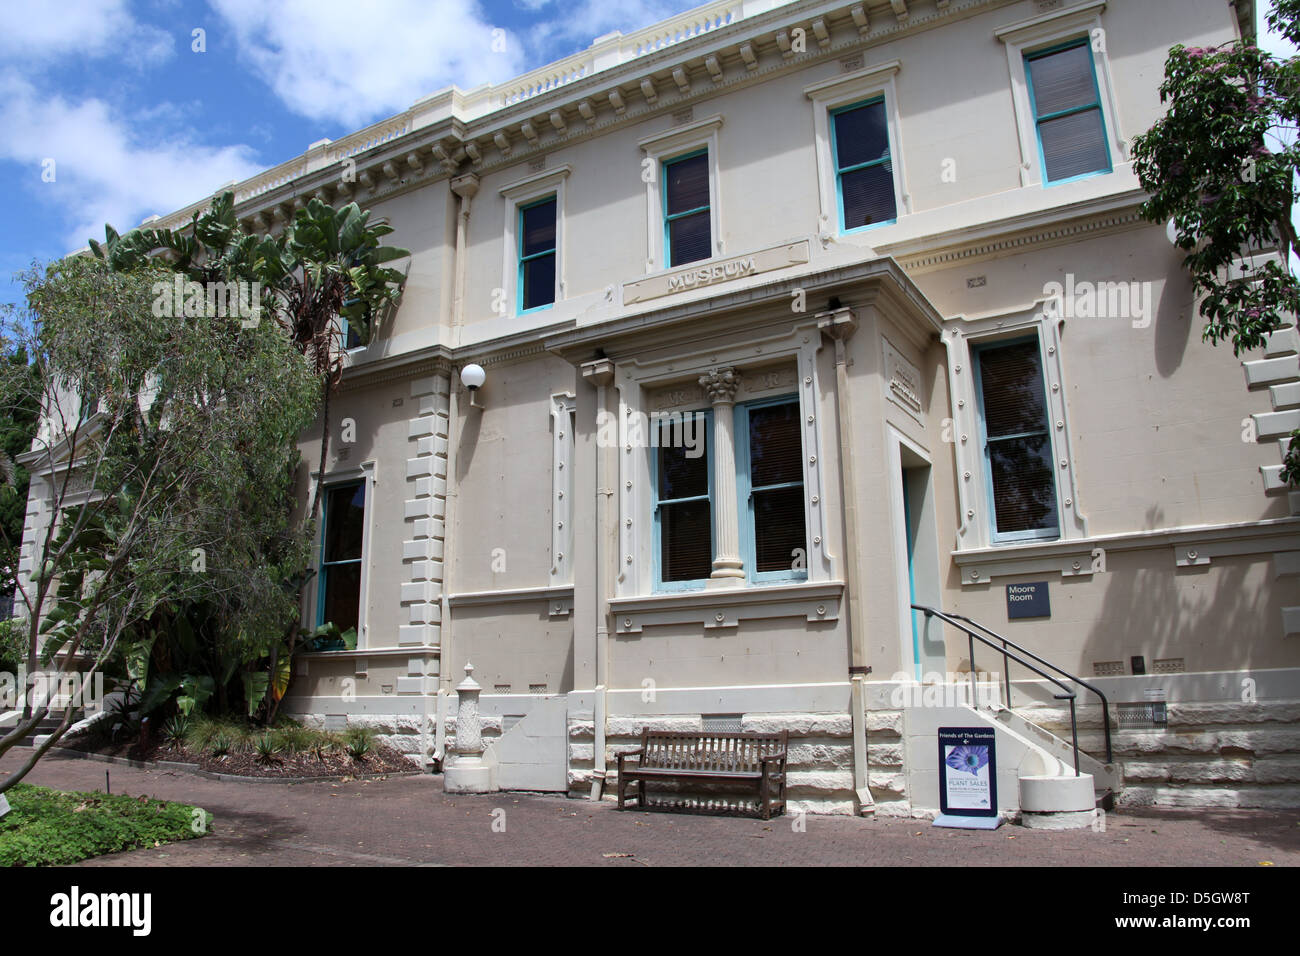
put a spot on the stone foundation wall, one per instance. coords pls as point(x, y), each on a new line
point(409, 734)
point(1217, 754)
point(819, 768)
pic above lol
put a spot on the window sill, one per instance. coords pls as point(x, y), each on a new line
point(1082, 557)
point(726, 607)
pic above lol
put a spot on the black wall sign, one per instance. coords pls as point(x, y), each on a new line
point(1028, 600)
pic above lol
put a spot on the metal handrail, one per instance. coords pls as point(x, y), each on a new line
point(1105, 703)
point(1007, 655)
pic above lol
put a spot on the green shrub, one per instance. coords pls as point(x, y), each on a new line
point(51, 828)
point(13, 645)
point(359, 741)
point(221, 744)
point(267, 749)
point(176, 729)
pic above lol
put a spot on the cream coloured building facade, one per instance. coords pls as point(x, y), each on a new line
point(793, 315)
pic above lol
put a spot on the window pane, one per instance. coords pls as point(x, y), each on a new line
point(680, 474)
point(779, 529)
point(1012, 386)
point(1074, 145)
point(775, 448)
point(1062, 80)
point(342, 584)
point(689, 238)
point(686, 541)
point(868, 196)
point(538, 228)
point(351, 338)
point(861, 135)
point(344, 513)
point(687, 183)
point(1024, 490)
point(539, 281)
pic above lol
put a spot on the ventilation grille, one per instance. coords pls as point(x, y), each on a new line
point(1107, 668)
point(501, 688)
point(1147, 716)
point(721, 723)
point(1169, 665)
point(537, 688)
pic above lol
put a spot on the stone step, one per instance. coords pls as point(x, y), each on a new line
point(1276, 424)
point(1273, 478)
point(1260, 372)
point(1284, 396)
point(1290, 621)
point(1286, 564)
point(1282, 342)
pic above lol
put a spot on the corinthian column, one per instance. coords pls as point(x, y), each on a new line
point(728, 570)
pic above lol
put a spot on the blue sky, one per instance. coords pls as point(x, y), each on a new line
point(136, 122)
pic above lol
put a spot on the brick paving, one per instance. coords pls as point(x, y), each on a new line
point(410, 821)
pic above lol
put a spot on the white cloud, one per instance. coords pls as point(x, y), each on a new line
point(353, 63)
point(105, 172)
point(89, 28)
point(577, 22)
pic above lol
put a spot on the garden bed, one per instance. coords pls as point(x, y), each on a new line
point(47, 827)
point(288, 751)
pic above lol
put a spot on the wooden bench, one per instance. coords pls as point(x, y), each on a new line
point(687, 756)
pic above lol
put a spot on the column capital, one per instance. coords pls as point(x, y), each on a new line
point(721, 384)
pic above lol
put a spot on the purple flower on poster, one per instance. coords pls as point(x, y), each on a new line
point(968, 759)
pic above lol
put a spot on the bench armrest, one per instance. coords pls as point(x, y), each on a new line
point(639, 752)
point(767, 758)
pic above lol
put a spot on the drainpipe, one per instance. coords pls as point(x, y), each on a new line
point(465, 187)
point(839, 326)
point(600, 373)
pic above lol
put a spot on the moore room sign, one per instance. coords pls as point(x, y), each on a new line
point(715, 272)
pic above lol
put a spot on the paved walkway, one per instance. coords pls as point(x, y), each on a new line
point(410, 821)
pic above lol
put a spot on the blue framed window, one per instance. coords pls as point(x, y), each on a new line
point(338, 593)
point(1016, 439)
point(864, 171)
point(1066, 102)
point(537, 254)
point(351, 338)
point(683, 483)
point(687, 209)
point(769, 472)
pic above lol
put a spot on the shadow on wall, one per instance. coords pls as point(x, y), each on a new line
point(1175, 317)
point(1214, 616)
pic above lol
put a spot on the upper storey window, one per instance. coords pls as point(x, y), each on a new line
point(537, 254)
point(1017, 440)
point(864, 178)
point(687, 232)
point(1067, 111)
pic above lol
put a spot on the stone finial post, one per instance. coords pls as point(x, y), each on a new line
point(469, 727)
point(469, 772)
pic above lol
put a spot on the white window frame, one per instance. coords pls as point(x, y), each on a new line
point(661, 147)
point(975, 523)
point(517, 194)
point(364, 472)
point(828, 96)
point(1036, 33)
